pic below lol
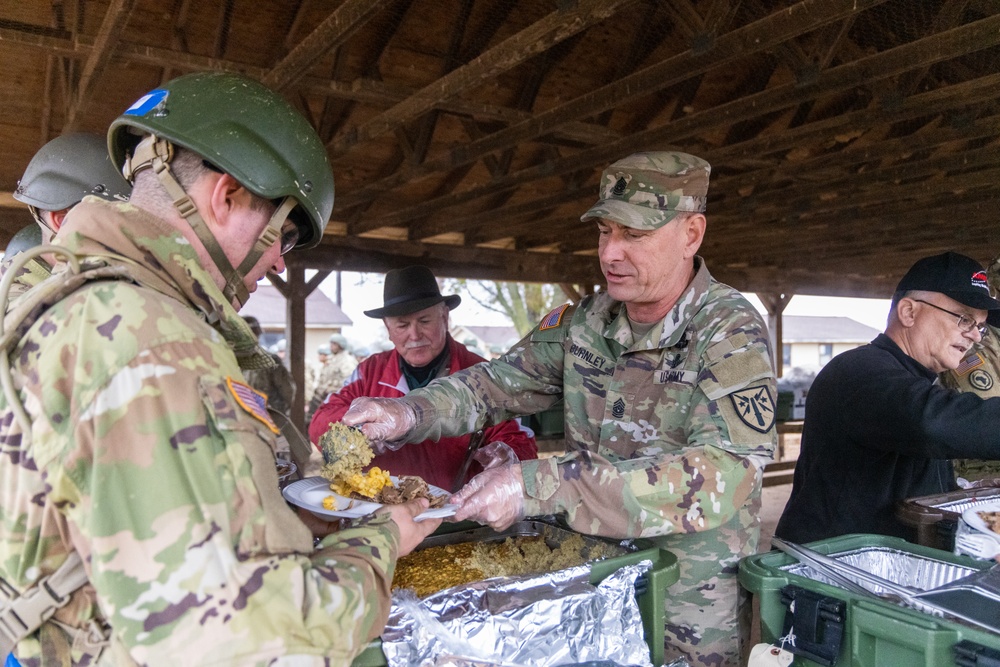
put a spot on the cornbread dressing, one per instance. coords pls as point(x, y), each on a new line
point(434, 569)
point(346, 451)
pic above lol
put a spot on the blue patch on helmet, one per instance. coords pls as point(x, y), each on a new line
point(147, 103)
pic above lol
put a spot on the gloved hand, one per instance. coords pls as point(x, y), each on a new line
point(494, 497)
point(385, 421)
point(495, 454)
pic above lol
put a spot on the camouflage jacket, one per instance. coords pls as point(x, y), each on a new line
point(334, 373)
point(666, 432)
point(275, 382)
point(34, 272)
point(979, 373)
point(149, 456)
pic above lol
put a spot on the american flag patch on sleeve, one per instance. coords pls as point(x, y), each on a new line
point(970, 362)
point(254, 402)
point(553, 319)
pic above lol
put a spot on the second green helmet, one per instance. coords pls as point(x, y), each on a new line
point(243, 128)
point(67, 169)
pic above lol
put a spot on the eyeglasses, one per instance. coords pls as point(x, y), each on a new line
point(965, 323)
point(289, 236)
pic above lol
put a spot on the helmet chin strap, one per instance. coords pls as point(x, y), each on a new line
point(156, 153)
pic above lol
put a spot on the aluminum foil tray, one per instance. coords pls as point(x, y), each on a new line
point(554, 535)
point(900, 567)
point(959, 506)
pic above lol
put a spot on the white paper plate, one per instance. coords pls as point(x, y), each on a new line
point(972, 518)
point(309, 494)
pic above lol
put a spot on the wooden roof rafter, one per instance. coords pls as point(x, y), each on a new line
point(100, 56)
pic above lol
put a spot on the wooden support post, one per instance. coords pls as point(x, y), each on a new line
point(775, 305)
point(296, 290)
point(295, 334)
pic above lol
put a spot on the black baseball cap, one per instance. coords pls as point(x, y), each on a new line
point(956, 276)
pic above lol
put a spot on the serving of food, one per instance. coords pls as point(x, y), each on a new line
point(346, 451)
point(991, 519)
point(427, 571)
point(346, 490)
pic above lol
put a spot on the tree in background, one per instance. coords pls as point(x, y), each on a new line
point(524, 304)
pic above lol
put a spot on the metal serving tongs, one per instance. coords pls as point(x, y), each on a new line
point(973, 599)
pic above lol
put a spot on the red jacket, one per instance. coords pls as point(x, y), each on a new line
point(437, 462)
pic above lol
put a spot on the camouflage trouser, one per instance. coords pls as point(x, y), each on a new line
point(707, 615)
point(975, 469)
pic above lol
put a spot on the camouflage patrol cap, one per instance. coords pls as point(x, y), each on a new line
point(648, 190)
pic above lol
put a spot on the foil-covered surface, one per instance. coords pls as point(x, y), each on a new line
point(959, 506)
point(899, 567)
point(558, 618)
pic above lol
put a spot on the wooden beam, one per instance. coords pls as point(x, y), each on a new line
point(774, 303)
point(763, 34)
point(115, 20)
point(334, 31)
point(971, 37)
point(340, 253)
point(494, 216)
point(369, 91)
point(534, 39)
point(295, 334)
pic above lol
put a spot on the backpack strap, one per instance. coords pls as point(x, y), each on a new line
point(22, 614)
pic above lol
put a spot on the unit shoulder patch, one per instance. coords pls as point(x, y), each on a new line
point(755, 407)
point(253, 402)
point(981, 380)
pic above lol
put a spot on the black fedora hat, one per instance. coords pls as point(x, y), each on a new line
point(409, 290)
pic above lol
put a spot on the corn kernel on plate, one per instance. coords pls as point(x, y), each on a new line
point(310, 494)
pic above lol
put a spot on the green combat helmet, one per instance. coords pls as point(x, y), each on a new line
point(67, 169)
point(27, 237)
point(243, 129)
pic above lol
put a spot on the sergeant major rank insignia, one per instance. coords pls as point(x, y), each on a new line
point(754, 407)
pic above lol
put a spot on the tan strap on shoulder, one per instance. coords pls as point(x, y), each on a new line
point(21, 615)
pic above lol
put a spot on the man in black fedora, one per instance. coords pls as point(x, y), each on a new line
point(415, 314)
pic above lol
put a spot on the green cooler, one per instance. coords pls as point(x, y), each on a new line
point(833, 626)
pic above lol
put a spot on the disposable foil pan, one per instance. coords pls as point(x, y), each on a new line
point(959, 506)
point(553, 535)
point(900, 567)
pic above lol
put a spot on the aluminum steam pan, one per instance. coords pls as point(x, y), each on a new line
point(553, 535)
point(900, 567)
point(959, 506)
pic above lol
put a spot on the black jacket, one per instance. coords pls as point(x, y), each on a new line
point(880, 429)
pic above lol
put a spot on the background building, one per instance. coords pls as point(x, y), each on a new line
point(323, 317)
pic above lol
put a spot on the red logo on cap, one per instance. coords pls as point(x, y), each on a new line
point(979, 280)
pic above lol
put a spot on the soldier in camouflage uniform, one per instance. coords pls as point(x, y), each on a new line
point(979, 373)
point(337, 365)
point(669, 405)
point(276, 382)
point(59, 175)
point(128, 434)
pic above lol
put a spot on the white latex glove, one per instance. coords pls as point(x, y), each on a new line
point(494, 497)
point(385, 421)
